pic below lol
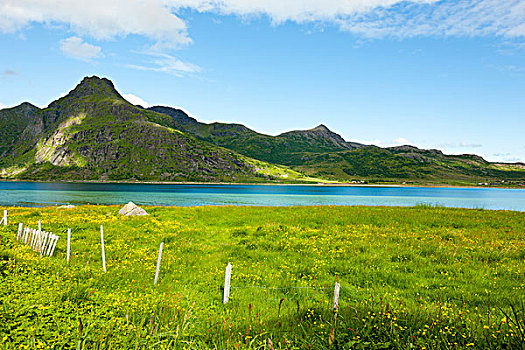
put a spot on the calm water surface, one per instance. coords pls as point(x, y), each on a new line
point(32, 194)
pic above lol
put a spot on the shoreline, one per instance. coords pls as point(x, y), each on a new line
point(319, 184)
point(64, 207)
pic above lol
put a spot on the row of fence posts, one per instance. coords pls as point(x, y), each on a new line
point(40, 241)
point(38, 236)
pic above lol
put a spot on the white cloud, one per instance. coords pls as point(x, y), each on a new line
point(506, 157)
point(470, 145)
point(401, 141)
point(460, 145)
point(164, 63)
point(158, 19)
point(2, 106)
point(100, 19)
point(291, 10)
point(75, 47)
point(384, 18)
point(133, 99)
point(375, 142)
point(444, 18)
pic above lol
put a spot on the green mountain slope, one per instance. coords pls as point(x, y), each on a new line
point(322, 153)
point(274, 149)
point(19, 126)
point(94, 134)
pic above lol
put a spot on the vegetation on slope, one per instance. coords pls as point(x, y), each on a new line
point(94, 134)
point(421, 278)
point(19, 125)
point(322, 153)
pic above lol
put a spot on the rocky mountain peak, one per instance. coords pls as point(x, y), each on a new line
point(321, 127)
point(95, 86)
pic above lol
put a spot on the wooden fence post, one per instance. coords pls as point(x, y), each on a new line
point(227, 278)
point(336, 296)
point(158, 263)
point(54, 245)
point(20, 231)
point(4, 219)
point(103, 252)
point(45, 241)
point(68, 243)
point(47, 251)
point(33, 238)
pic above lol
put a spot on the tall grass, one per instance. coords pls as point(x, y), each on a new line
point(422, 277)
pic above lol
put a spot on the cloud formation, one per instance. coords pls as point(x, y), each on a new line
point(158, 19)
point(100, 19)
point(401, 141)
point(470, 145)
point(165, 63)
point(133, 99)
point(384, 18)
point(75, 47)
point(460, 145)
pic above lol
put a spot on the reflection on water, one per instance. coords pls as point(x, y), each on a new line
point(44, 194)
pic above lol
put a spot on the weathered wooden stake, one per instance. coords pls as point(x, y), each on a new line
point(227, 278)
point(158, 264)
point(39, 225)
point(103, 252)
point(4, 219)
point(50, 245)
point(33, 238)
point(336, 296)
point(20, 231)
point(54, 245)
point(26, 234)
point(68, 243)
point(45, 242)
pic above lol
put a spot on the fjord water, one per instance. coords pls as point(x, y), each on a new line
point(33, 194)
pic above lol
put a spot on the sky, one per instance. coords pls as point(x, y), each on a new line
point(434, 74)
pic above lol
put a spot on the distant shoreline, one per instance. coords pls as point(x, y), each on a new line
point(327, 184)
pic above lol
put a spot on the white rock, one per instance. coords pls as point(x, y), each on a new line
point(131, 209)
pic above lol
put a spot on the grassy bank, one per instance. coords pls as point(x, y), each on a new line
point(422, 278)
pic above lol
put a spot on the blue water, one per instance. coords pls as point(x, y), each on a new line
point(31, 194)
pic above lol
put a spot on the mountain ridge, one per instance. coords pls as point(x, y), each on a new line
point(94, 133)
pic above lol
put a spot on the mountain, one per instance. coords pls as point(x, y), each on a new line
point(19, 127)
point(94, 134)
point(321, 153)
point(282, 149)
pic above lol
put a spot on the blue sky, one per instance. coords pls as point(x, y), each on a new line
point(434, 74)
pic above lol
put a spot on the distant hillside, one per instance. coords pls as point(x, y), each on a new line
point(273, 149)
point(322, 153)
point(93, 133)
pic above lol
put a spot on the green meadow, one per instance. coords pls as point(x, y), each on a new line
point(411, 278)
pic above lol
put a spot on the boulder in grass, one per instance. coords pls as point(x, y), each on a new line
point(131, 209)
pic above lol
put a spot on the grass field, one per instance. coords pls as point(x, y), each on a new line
point(411, 278)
